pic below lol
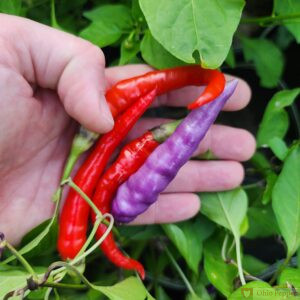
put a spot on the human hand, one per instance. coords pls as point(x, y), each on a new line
point(228, 145)
point(46, 76)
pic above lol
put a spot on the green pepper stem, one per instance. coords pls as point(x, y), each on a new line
point(162, 132)
point(81, 143)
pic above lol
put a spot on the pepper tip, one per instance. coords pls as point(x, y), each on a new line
point(141, 271)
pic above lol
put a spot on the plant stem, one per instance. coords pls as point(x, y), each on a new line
point(74, 186)
point(81, 143)
point(280, 269)
point(260, 183)
point(266, 31)
point(239, 260)
point(99, 218)
point(21, 259)
point(167, 282)
point(224, 247)
point(232, 262)
point(269, 19)
point(97, 244)
point(65, 286)
point(272, 268)
point(180, 272)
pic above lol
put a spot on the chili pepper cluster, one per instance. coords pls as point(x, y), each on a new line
point(134, 180)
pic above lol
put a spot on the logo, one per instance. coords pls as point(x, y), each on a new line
point(247, 292)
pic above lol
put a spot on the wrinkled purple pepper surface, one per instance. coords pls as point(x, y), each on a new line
point(143, 187)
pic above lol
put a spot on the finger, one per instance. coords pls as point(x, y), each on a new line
point(207, 176)
point(224, 142)
point(186, 95)
point(183, 96)
point(170, 208)
point(60, 61)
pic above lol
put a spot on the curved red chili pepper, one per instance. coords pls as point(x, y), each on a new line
point(130, 159)
point(127, 91)
point(74, 216)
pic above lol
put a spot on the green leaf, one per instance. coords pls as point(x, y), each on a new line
point(38, 294)
point(194, 29)
point(219, 273)
point(271, 178)
point(253, 265)
point(188, 237)
point(267, 58)
point(128, 51)
point(286, 8)
point(262, 222)
point(283, 38)
point(39, 240)
point(12, 278)
point(227, 209)
point(156, 55)
point(193, 297)
point(290, 276)
point(286, 200)
point(199, 288)
point(128, 289)
point(275, 121)
point(279, 147)
point(244, 226)
point(136, 11)
point(258, 290)
point(12, 7)
point(46, 245)
point(109, 23)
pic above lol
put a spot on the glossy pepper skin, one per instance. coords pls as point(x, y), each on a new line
point(125, 92)
point(130, 159)
point(143, 187)
point(75, 212)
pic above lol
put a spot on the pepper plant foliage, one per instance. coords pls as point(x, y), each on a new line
point(205, 257)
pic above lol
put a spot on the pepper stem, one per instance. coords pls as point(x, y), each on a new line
point(162, 132)
point(81, 143)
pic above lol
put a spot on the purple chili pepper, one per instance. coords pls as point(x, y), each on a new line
point(143, 187)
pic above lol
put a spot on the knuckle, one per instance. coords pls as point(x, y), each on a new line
point(93, 51)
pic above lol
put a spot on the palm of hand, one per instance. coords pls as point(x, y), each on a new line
point(36, 132)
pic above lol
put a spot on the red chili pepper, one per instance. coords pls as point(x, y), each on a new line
point(125, 92)
point(129, 160)
point(131, 157)
point(74, 216)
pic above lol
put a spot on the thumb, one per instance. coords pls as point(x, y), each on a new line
point(59, 61)
point(82, 87)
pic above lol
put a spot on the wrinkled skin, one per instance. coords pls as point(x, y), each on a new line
point(49, 81)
